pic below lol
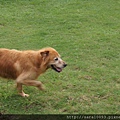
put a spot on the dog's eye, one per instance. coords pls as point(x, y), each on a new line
point(56, 59)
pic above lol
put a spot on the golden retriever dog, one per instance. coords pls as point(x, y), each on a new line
point(26, 66)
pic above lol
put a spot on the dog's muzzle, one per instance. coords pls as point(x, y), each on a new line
point(58, 69)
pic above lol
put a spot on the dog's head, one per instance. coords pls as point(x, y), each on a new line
point(52, 59)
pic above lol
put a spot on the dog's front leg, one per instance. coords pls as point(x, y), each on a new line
point(35, 83)
point(20, 91)
point(27, 79)
point(28, 83)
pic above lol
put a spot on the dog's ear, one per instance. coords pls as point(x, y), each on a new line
point(44, 54)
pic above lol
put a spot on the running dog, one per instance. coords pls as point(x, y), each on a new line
point(25, 66)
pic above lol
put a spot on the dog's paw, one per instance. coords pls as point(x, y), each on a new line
point(24, 95)
point(41, 87)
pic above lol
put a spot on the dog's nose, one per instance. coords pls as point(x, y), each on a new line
point(65, 65)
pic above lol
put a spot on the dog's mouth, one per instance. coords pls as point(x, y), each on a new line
point(57, 69)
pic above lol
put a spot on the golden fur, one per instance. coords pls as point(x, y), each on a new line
point(26, 66)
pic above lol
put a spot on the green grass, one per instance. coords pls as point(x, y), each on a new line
point(87, 35)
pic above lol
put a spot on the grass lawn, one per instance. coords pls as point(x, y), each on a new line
point(87, 35)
